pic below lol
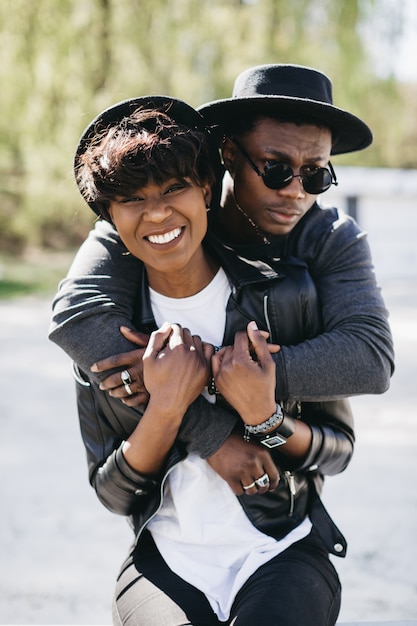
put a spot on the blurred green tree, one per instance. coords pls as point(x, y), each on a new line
point(62, 62)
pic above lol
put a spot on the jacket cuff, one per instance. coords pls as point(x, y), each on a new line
point(140, 482)
point(310, 462)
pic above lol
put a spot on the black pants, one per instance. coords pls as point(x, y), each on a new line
point(299, 587)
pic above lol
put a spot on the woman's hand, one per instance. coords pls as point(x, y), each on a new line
point(132, 363)
point(245, 375)
point(176, 367)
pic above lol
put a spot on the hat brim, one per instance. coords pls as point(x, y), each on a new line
point(350, 132)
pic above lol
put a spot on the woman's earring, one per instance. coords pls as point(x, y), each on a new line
point(208, 208)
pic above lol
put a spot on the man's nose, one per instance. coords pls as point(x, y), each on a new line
point(295, 188)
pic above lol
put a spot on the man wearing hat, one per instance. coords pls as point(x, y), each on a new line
point(279, 131)
point(280, 120)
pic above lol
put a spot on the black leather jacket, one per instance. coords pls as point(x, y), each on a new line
point(282, 301)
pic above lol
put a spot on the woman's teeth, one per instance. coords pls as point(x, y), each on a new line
point(166, 237)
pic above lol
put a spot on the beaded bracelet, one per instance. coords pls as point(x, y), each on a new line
point(211, 387)
point(274, 420)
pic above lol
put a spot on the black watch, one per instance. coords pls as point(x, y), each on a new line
point(278, 436)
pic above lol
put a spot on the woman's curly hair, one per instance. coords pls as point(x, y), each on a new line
point(146, 147)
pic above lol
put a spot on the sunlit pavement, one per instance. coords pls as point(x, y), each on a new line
point(61, 550)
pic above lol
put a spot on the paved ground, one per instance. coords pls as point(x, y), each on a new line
point(60, 549)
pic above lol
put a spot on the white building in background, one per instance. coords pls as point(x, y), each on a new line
point(384, 203)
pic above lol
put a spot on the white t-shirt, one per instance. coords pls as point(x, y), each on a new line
point(201, 529)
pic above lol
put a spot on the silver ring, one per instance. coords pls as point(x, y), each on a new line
point(126, 378)
point(263, 481)
point(245, 487)
point(128, 389)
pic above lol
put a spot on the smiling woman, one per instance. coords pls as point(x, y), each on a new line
point(156, 197)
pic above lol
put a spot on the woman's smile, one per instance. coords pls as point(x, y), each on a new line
point(161, 239)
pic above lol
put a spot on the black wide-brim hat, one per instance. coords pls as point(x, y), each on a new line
point(178, 110)
point(276, 89)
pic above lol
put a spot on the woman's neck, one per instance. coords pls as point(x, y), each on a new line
point(186, 281)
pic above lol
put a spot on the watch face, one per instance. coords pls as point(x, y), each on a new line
point(274, 441)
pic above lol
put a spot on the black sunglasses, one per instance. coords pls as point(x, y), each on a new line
point(277, 175)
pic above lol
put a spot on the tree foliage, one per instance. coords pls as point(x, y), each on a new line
point(63, 62)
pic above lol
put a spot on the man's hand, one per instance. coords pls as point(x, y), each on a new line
point(245, 375)
point(131, 362)
point(241, 463)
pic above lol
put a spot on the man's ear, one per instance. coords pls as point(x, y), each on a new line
point(228, 154)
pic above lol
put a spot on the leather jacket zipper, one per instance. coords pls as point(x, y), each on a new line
point(267, 316)
point(161, 499)
point(292, 489)
point(288, 475)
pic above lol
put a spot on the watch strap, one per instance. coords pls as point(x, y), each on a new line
point(279, 436)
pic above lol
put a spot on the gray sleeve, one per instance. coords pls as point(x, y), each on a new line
point(95, 299)
point(206, 427)
point(354, 354)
